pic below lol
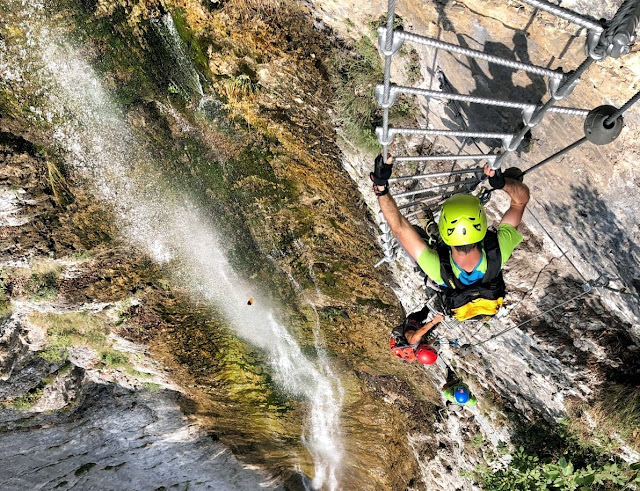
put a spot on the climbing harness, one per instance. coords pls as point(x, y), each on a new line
point(602, 124)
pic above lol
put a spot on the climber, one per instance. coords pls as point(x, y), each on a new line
point(468, 262)
point(457, 393)
point(413, 340)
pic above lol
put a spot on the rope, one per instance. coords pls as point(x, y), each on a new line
point(566, 14)
point(564, 254)
point(559, 153)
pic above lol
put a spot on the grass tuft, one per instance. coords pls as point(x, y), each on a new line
point(357, 73)
point(43, 283)
point(615, 411)
point(67, 330)
point(61, 191)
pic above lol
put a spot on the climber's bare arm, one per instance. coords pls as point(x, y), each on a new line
point(401, 228)
point(414, 337)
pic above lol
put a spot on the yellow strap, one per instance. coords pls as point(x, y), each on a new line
point(479, 306)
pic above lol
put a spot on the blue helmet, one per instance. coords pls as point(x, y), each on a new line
point(462, 395)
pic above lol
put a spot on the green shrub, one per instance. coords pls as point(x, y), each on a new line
point(529, 472)
point(113, 358)
point(358, 73)
point(26, 400)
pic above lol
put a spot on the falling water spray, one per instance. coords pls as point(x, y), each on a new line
point(169, 227)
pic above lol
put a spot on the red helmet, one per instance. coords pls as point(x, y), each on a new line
point(426, 355)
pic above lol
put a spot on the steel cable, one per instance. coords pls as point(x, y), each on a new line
point(622, 110)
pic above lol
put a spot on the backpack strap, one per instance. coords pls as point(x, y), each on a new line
point(446, 271)
point(494, 257)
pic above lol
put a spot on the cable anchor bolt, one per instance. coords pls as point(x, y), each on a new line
point(396, 42)
point(597, 131)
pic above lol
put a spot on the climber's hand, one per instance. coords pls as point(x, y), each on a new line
point(381, 174)
point(496, 178)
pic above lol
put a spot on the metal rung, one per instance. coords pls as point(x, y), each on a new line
point(435, 174)
point(419, 202)
point(398, 89)
point(429, 158)
point(439, 186)
point(419, 131)
point(414, 213)
point(434, 43)
point(566, 14)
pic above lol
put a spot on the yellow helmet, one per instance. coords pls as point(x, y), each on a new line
point(462, 220)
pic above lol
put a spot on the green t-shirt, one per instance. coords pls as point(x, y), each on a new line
point(508, 238)
point(449, 394)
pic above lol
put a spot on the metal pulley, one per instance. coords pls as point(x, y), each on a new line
point(596, 127)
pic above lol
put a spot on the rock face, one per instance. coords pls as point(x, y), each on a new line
point(71, 425)
point(573, 221)
point(116, 438)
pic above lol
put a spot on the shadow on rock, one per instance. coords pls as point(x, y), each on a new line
point(599, 236)
point(585, 333)
point(498, 84)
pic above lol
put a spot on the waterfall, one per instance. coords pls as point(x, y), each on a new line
point(184, 77)
point(100, 146)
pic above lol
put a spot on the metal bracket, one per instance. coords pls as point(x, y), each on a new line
point(554, 85)
point(591, 46)
point(527, 115)
point(396, 42)
point(393, 96)
point(380, 135)
point(512, 143)
point(621, 44)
